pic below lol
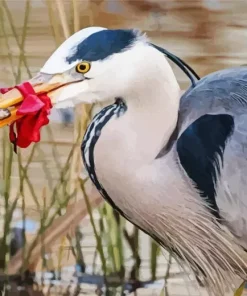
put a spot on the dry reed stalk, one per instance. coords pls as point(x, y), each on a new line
point(54, 22)
point(23, 39)
point(164, 291)
point(81, 116)
point(76, 15)
point(66, 31)
point(11, 22)
point(59, 228)
point(63, 18)
point(75, 161)
point(81, 121)
point(97, 236)
point(9, 55)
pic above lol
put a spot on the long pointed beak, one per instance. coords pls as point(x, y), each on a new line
point(42, 83)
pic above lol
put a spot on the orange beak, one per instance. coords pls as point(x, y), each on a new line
point(10, 101)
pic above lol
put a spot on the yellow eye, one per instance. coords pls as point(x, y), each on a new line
point(83, 67)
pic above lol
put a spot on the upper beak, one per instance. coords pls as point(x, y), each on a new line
point(42, 83)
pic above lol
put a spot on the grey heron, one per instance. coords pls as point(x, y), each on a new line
point(174, 166)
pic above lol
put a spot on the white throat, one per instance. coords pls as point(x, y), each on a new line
point(135, 139)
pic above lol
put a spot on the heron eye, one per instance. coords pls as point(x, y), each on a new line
point(83, 67)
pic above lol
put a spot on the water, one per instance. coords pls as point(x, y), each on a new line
point(82, 284)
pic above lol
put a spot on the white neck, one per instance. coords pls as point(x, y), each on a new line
point(136, 138)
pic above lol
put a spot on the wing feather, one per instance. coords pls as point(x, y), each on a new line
point(211, 143)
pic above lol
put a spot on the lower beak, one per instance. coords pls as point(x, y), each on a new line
point(41, 83)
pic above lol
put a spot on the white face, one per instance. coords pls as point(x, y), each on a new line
point(57, 62)
point(118, 75)
point(119, 63)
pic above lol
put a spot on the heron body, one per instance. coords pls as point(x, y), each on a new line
point(180, 196)
point(174, 166)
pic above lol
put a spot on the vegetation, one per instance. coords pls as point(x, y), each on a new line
point(44, 182)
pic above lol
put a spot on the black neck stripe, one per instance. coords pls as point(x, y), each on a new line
point(90, 139)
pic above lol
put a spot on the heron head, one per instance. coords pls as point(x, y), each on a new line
point(97, 64)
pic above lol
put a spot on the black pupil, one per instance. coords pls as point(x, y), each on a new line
point(82, 67)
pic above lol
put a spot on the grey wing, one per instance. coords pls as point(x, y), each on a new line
point(212, 144)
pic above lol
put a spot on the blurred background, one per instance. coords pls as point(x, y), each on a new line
point(57, 236)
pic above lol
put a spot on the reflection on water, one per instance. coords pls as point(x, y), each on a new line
point(78, 284)
point(71, 280)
